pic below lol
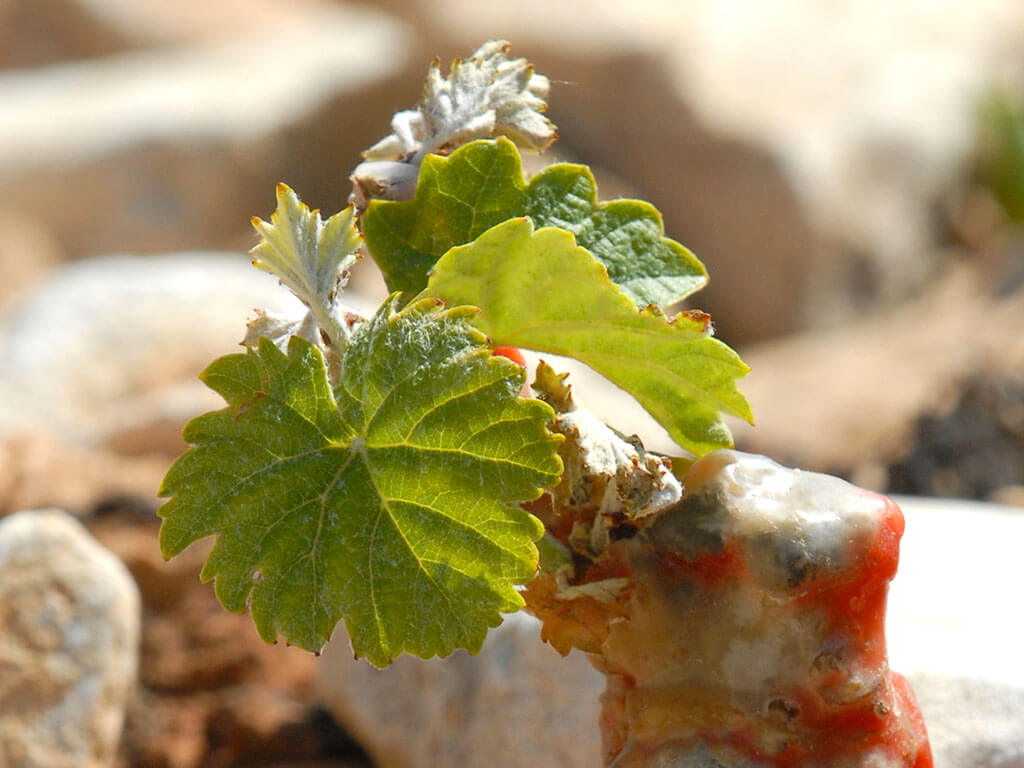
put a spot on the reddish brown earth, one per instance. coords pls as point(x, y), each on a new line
point(211, 693)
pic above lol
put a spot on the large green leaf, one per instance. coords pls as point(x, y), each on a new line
point(390, 502)
point(541, 291)
point(480, 185)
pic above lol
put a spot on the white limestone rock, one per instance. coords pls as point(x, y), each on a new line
point(518, 704)
point(69, 635)
point(113, 346)
point(955, 628)
point(91, 345)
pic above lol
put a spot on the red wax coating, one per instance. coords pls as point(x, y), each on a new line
point(512, 354)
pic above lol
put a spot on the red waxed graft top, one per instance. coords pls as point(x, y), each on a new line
point(757, 627)
point(512, 354)
point(714, 568)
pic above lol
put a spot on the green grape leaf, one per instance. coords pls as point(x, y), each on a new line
point(389, 502)
point(541, 291)
point(481, 184)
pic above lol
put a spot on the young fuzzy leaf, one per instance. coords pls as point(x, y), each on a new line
point(310, 256)
point(480, 185)
point(488, 95)
point(541, 291)
point(389, 502)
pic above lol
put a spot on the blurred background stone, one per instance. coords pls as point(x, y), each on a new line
point(28, 249)
point(160, 149)
point(849, 400)
point(109, 349)
point(69, 645)
point(35, 33)
point(518, 704)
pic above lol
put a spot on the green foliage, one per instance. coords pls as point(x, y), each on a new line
point(541, 291)
point(389, 501)
point(1001, 152)
point(459, 197)
point(373, 471)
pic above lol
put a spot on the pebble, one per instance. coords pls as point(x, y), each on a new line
point(69, 615)
point(518, 704)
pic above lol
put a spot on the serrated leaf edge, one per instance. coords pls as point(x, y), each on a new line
point(269, 627)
